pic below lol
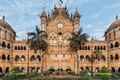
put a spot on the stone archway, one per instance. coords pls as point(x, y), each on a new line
point(7, 70)
point(119, 69)
point(3, 57)
point(22, 69)
point(113, 69)
point(97, 69)
point(38, 69)
point(32, 58)
point(81, 68)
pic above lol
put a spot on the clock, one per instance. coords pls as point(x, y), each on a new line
point(60, 25)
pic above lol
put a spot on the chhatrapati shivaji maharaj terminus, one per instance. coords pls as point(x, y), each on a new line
point(59, 26)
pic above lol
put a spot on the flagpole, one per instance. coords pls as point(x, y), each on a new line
point(60, 2)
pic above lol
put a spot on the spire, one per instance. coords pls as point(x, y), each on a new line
point(60, 3)
point(3, 18)
point(116, 17)
point(44, 14)
point(77, 13)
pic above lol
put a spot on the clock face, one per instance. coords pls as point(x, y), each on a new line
point(60, 25)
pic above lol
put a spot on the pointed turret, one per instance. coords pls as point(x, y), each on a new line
point(76, 19)
point(43, 17)
point(77, 14)
point(43, 14)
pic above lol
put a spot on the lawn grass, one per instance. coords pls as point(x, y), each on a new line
point(35, 76)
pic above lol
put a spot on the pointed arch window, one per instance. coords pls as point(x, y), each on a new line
point(116, 57)
point(116, 44)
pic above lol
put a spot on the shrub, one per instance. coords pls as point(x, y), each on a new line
point(51, 70)
point(69, 71)
point(85, 75)
point(104, 74)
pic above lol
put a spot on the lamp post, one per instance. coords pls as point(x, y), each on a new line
point(92, 60)
point(28, 53)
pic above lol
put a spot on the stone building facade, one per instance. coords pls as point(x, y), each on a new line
point(59, 25)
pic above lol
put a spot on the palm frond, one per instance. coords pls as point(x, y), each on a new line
point(77, 39)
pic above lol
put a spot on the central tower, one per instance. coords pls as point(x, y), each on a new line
point(59, 25)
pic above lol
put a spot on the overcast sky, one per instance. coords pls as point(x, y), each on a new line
point(97, 15)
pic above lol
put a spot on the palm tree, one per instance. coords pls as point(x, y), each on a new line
point(38, 42)
point(76, 40)
point(94, 55)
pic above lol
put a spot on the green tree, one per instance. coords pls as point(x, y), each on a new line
point(104, 74)
point(94, 55)
point(76, 40)
point(38, 42)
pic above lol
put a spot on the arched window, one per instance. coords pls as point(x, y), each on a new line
point(103, 58)
point(104, 48)
point(113, 69)
point(32, 58)
point(17, 58)
point(81, 68)
point(23, 58)
point(38, 69)
point(22, 69)
point(101, 48)
point(8, 46)
point(7, 70)
point(3, 57)
point(32, 69)
point(88, 58)
point(21, 47)
point(111, 45)
point(98, 48)
point(88, 47)
point(85, 47)
point(38, 58)
point(97, 58)
point(111, 57)
point(116, 44)
point(119, 69)
point(8, 57)
point(24, 48)
point(116, 57)
point(87, 68)
point(15, 47)
point(4, 45)
point(97, 69)
point(95, 48)
point(81, 57)
point(18, 47)
point(80, 47)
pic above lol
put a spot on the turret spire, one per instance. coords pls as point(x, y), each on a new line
point(116, 17)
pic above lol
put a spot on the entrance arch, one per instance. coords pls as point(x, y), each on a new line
point(113, 69)
point(7, 70)
point(119, 69)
